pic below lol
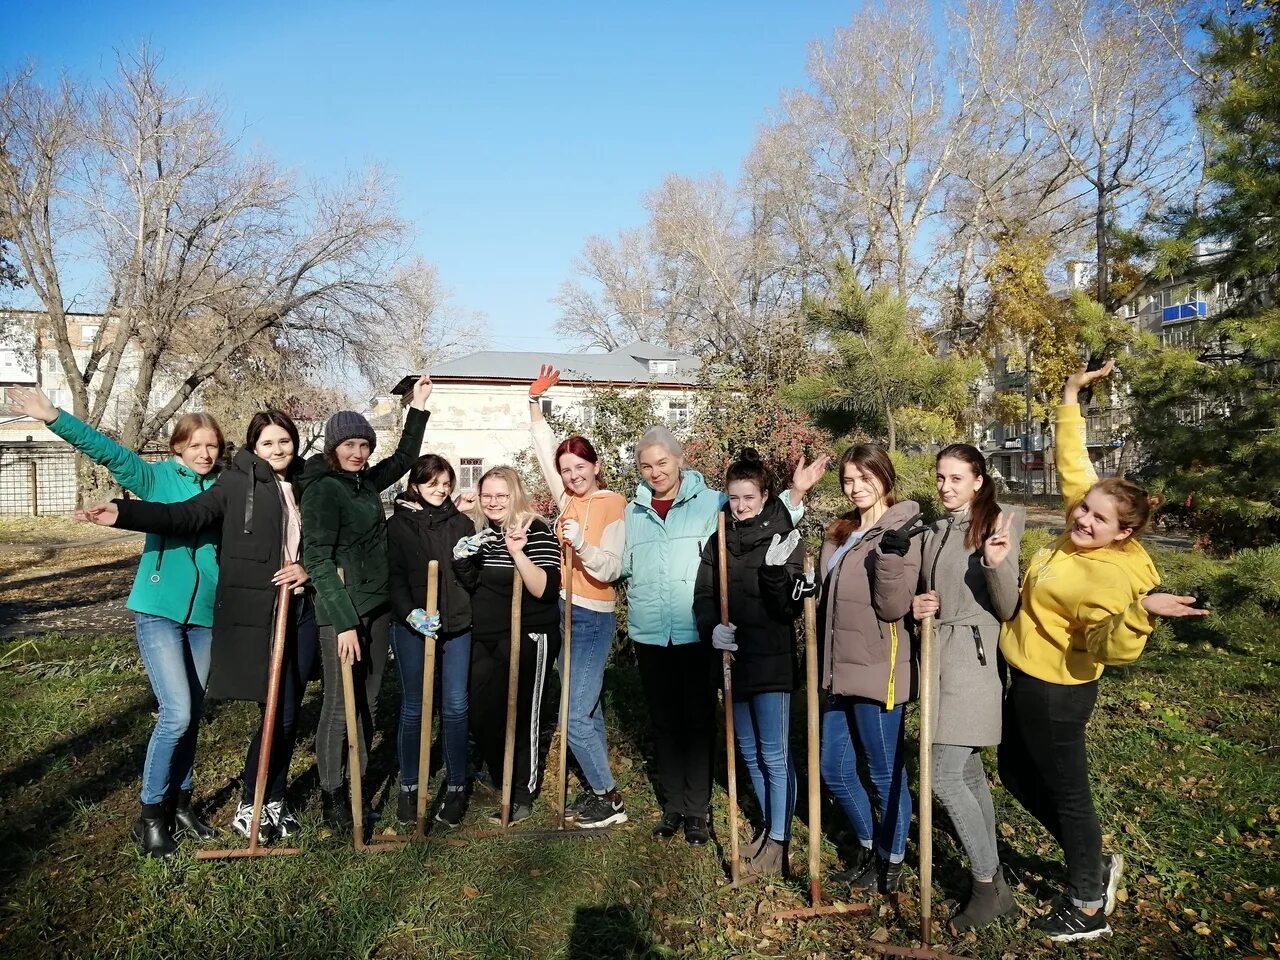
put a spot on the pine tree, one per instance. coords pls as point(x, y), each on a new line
point(882, 378)
point(1209, 418)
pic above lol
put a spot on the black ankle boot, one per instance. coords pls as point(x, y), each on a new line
point(186, 822)
point(890, 875)
point(156, 836)
point(335, 810)
point(407, 806)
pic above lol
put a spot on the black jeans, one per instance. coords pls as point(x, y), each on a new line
point(300, 647)
point(1043, 763)
point(490, 669)
point(366, 674)
point(680, 687)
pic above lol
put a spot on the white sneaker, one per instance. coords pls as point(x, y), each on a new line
point(1113, 871)
point(242, 822)
point(285, 823)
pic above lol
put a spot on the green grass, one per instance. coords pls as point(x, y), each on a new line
point(1185, 748)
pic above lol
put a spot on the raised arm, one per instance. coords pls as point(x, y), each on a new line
point(1071, 453)
point(544, 443)
point(390, 469)
point(126, 467)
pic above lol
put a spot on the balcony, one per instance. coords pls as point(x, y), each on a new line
point(1179, 312)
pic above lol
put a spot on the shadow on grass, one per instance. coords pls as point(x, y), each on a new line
point(609, 933)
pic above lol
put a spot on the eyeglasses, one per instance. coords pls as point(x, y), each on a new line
point(495, 498)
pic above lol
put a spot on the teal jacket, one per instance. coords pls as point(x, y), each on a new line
point(661, 559)
point(177, 577)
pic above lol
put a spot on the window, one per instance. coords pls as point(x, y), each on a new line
point(546, 408)
point(51, 364)
point(678, 413)
point(661, 366)
point(470, 469)
point(87, 332)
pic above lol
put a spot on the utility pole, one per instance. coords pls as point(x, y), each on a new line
point(1026, 433)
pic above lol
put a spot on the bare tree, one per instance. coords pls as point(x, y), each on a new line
point(1097, 78)
point(424, 326)
point(619, 298)
point(202, 252)
point(885, 130)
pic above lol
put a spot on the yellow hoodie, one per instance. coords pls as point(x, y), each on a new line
point(1080, 609)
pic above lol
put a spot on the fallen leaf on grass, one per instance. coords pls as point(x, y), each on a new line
point(470, 892)
point(881, 935)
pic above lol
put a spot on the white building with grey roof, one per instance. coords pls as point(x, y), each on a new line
point(480, 409)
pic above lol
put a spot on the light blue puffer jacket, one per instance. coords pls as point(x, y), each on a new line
point(661, 559)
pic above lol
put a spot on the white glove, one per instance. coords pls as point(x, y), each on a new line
point(573, 533)
point(722, 637)
point(780, 550)
point(470, 546)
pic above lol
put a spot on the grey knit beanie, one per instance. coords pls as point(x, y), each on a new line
point(347, 425)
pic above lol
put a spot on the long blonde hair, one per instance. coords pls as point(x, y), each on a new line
point(519, 507)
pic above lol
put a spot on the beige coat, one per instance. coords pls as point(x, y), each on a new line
point(865, 599)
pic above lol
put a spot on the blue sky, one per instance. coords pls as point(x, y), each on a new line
point(513, 130)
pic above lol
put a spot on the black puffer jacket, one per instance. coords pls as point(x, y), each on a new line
point(416, 535)
point(760, 603)
point(246, 504)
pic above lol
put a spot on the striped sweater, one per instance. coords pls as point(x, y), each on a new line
point(599, 563)
point(489, 575)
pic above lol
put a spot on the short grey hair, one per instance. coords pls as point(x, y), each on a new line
point(659, 436)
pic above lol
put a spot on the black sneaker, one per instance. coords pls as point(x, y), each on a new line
point(1067, 923)
point(696, 831)
point(571, 810)
point(519, 811)
point(602, 810)
point(242, 823)
point(667, 826)
point(1112, 870)
point(453, 809)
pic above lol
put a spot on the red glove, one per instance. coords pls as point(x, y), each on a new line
point(548, 377)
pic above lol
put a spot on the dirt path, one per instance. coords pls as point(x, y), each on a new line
point(70, 587)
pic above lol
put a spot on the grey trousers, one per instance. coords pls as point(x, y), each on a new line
point(366, 673)
point(960, 784)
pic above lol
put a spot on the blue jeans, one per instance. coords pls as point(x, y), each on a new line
point(454, 653)
point(176, 657)
point(761, 725)
point(851, 728)
point(592, 639)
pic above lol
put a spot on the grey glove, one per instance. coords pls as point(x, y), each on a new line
point(780, 550)
point(470, 546)
point(722, 637)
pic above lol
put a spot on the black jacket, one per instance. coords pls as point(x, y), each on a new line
point(417, 535)
point(246, 502)
point(760, 603)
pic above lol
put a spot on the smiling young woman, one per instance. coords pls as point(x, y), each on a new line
point(172, 603)
point(1086, 602)
point(591, 521)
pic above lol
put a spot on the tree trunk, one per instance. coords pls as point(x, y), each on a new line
point(1100, 233)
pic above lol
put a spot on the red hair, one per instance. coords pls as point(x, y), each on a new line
point(581, 448)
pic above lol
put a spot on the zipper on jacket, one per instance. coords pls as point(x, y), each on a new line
point(933, 570)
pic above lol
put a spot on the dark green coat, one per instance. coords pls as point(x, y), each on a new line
point(344, 527)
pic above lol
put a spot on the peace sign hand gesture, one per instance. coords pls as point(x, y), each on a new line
point(995, 549)
point(517, 539)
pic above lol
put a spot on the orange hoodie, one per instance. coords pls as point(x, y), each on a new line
point(1080, 609)
point(599, 563)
